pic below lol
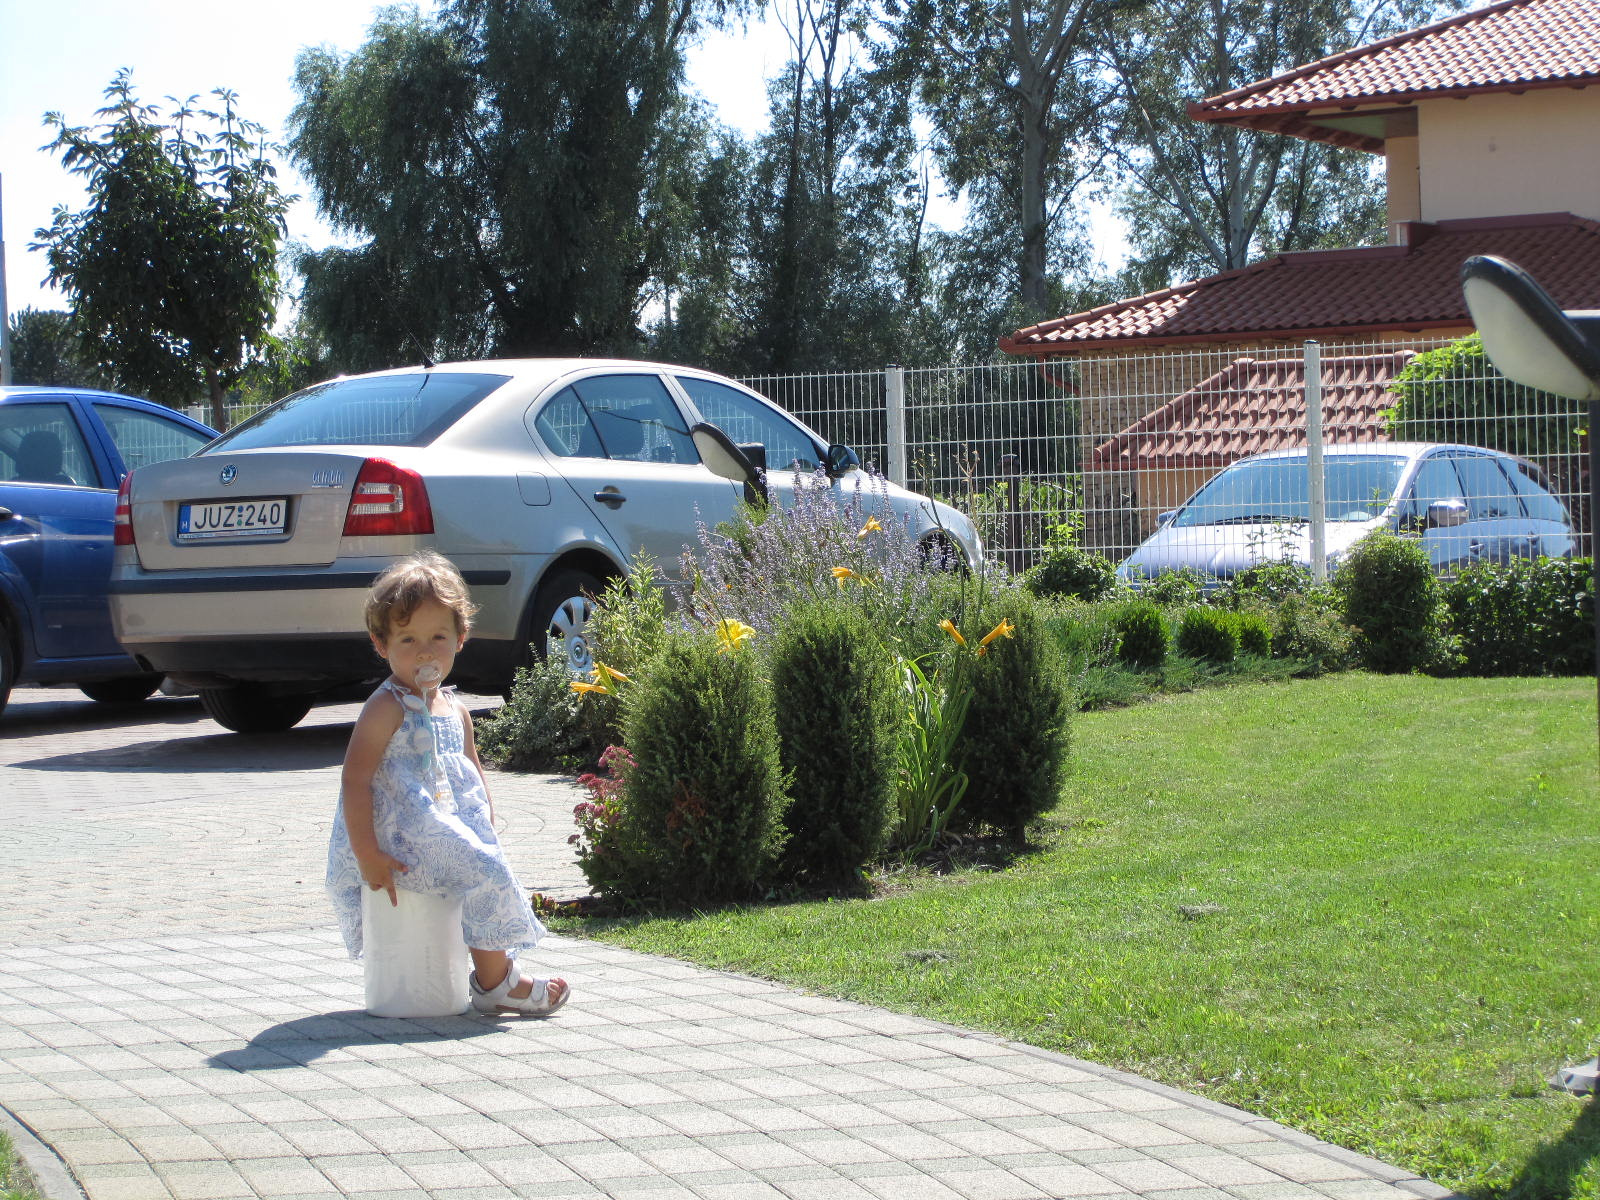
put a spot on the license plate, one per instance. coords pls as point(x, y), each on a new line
point(236, 518)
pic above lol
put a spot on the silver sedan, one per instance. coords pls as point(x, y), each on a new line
point(242, 571)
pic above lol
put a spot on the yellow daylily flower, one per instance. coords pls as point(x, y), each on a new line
point(871, 526)
point(949, 627)
point(611, 672)
point(840, 574)
point(1004, 629)
point(579, 686)
point(731, 633)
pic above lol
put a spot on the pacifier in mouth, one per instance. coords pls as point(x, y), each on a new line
point(429, 675)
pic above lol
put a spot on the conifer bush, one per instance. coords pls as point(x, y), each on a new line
point(1255, 632)
point(1015, 740)
point(838, 722)
point(1142, 635)
point(1392, 599)
point(1208, 634)
point(702, 806)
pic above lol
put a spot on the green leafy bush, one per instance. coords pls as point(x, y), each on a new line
point(1265, 583)
point(1208, 634)
point(1142, 635)
point(1525, 618)
point(1068, 570)
point(1391, 598)
point(1306, 628)
point(1254, 629)
point(627, 627)
point(699, 818)
point(838, 722)
point(1014, 743)
point(541, 726)
point(1174, 587)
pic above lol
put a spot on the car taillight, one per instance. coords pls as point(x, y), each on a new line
point(122, 518)
point(387, 499)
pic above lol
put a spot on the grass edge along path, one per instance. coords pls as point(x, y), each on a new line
point(1362, 906)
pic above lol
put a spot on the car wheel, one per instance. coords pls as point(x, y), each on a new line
point(246, 709)
point(128, 690)
point(940, 552)
point(8, 665)
point(561, 619)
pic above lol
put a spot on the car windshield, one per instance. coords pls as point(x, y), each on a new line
point(1271, 491)
point(385, 410)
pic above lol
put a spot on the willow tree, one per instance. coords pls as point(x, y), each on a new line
point(509, 174)
point(172, 269)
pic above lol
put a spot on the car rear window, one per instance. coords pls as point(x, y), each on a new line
point(386, 410)
point(1270, 490)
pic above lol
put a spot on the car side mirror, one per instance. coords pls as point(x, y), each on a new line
point(722, 457)
point(841, 460)
point(1447, 514)
point(1165, 519)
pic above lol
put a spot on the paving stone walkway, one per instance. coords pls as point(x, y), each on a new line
point(178, 1020)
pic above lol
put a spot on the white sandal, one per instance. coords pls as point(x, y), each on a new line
point(547, 996)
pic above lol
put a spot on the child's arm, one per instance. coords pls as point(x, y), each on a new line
point(374, 727)
point(471, 743)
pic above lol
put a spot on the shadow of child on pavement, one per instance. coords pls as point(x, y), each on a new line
point(306, 1039)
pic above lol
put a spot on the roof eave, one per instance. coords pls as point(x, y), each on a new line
point(1067, 349)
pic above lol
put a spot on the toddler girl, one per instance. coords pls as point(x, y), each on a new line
point(414, 807)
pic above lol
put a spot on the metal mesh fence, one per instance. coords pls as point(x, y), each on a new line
point(1156, 455)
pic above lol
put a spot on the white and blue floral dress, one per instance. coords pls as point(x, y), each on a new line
point(430, 810)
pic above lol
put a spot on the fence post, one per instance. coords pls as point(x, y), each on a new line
point(894, 389)
point(1315, 493)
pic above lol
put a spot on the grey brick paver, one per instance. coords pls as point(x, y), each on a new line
point(209, 1041)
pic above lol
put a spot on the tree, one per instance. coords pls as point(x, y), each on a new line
point(1202, 196)
point(821, 263)
point(45, 352)
point(1014, 95)
point(172, 268)
point(513, 173)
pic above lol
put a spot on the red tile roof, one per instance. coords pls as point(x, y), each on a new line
point(1252, 406)
point(1326, 293)
point(1512, 46)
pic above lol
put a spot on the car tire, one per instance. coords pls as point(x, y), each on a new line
point(561, 618)
point(8, 665)
point(246, 709)
point(128, 690)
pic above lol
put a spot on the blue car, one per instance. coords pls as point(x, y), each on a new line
point(63, 451)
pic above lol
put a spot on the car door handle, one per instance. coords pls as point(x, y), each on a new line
point(611, 497)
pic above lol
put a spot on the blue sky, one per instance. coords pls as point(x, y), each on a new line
point(60, 56)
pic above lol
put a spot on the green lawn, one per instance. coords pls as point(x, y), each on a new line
point(1363, 906)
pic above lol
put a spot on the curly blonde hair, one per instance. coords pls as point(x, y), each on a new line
point(411, 582)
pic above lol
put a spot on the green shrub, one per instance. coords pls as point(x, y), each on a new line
point(1265, 583)
point(838, 721)
point(1307, 629)
point(1014, 743)
point(1208, 634)
point(1174, 587)
point(700, 817)
point(1525, 618)
point(626, 629)
point(1391, 598)
point(1255, 632)
point(541, 726)
point(1072, 571)
point(1142, 635)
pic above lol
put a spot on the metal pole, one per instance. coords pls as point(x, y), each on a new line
point(894, 386)
point(1594, 541)
point(1314, 489)
point(5, 313)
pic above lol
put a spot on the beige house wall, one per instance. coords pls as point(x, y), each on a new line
point(1404, 179)
point(1499, 154)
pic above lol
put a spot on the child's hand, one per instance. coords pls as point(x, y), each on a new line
point(378, 872)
